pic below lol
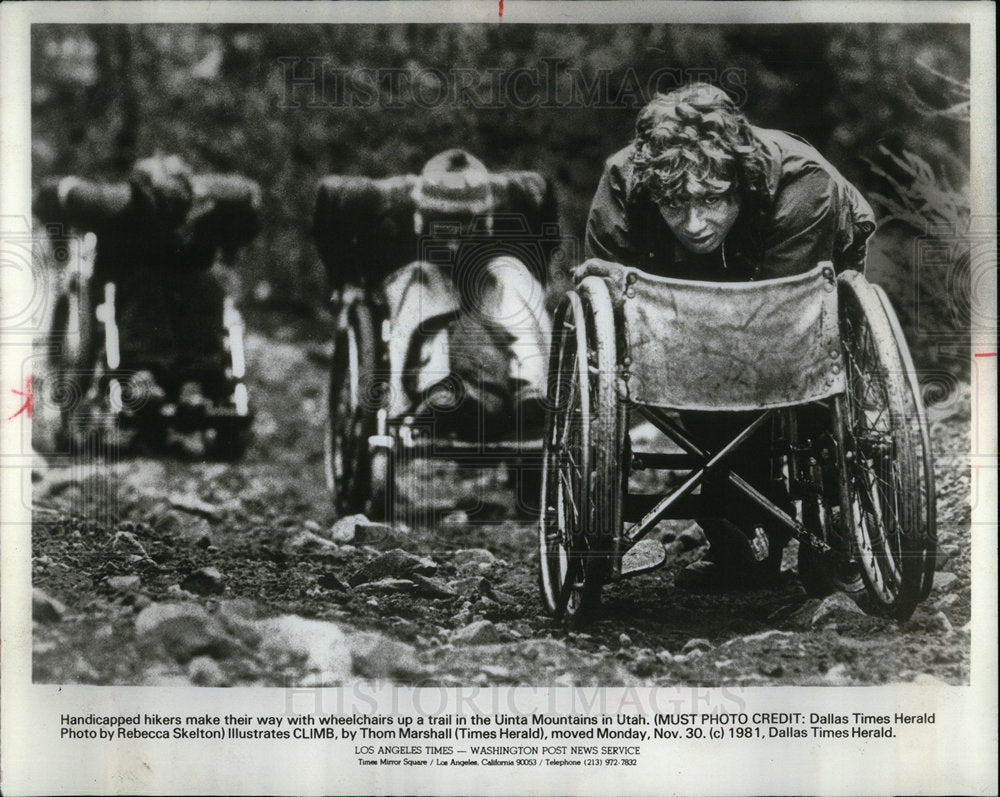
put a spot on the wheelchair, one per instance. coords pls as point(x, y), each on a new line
point(818, 360)
point(95, 392)
point(368, 442)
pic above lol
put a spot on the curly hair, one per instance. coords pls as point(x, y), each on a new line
point(697, 134)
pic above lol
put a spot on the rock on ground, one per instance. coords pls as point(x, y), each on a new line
point(317, 649)
point(473, 556)
point(45, 609)
point(396, 563)
point(307, 542)
point(124, 583)
point(205, 581)
point(377, 656)
point(480, 632)
point(194, 506)
point(205, 671)
point(532, 661)
point(183, 631)
point(944, 580)
point(829, 609)
point(431, 587)
point(344, 529)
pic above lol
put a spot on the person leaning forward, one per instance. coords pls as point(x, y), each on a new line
point(702, 194)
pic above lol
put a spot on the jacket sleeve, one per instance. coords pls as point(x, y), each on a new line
point(817, 216)
point(856, 225)
point(608, 235)
point(81, 204)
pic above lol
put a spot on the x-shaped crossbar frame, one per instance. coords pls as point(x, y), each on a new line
point(706, 464)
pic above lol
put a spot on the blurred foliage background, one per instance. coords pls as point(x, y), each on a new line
point(884, 103)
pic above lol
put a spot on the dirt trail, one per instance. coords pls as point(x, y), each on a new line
point(175, 571)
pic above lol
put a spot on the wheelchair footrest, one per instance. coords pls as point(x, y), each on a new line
point(642, 557)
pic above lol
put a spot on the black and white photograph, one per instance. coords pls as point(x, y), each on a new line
point(589, 354)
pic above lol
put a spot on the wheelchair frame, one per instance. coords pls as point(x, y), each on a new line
point(363, 446)
point(863, 492)
point(86, 360)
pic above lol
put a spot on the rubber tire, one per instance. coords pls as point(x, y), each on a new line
point(568, 380)
point(584, 324)
point(923, 458)
point(893, 563)
point(607, 433)
point(353, 353)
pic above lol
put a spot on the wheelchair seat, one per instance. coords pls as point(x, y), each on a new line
point(692, 345)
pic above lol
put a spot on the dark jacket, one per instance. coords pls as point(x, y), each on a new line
point(812, 214)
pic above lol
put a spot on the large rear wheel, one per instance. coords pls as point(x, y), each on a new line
point(880, 432)
point(581, 506)
point(920, 438)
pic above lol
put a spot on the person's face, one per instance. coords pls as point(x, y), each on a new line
point(704, 218)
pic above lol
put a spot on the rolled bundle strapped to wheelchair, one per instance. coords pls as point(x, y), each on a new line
point(629, 341)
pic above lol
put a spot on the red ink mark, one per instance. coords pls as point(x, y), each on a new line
point(986, 354)
point(501, 9)
point(29, 400)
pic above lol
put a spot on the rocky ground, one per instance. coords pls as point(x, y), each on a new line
point(170, 570)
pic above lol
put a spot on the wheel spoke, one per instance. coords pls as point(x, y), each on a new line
point(888, 480)
point(568, 491)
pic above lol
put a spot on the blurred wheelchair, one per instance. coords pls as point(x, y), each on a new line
point(102, 390)
point(412, 263)
point(395, 397)
point(821, 363)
